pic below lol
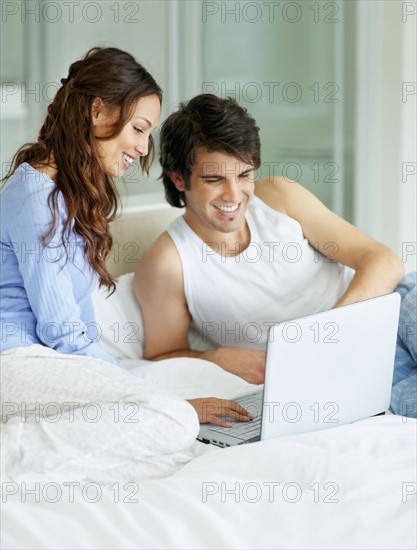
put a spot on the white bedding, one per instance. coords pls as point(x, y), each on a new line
point(350, 487)
point(75, 418)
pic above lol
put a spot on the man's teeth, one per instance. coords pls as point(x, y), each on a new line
point(228, 208)
point(127, 158)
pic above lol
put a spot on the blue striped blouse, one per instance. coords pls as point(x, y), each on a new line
point(45, 296)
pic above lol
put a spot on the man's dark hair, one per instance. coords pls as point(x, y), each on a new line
point(205, 121)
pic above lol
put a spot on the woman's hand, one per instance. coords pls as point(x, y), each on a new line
point(210, 409)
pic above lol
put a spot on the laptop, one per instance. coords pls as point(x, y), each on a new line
point(322, 371)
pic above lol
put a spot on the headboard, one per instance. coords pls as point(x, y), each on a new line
point(134, 231)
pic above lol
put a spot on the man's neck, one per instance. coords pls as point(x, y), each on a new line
point(224, 243)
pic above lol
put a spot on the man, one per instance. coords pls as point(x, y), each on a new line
point(243, 256)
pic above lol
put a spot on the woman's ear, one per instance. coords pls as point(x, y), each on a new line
point(97, 110)
point(177, 181)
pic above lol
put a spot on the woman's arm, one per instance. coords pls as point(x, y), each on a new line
point(50, 279)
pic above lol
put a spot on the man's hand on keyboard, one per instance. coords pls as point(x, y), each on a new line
point(211, 409)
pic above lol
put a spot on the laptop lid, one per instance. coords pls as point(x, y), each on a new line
point(330, 368)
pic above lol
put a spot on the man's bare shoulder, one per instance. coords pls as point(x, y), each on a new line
point(280, 193)
point(275, 192)
point(160, 258)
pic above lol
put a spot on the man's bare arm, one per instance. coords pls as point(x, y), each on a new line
point(378, 269)
point(158, 287)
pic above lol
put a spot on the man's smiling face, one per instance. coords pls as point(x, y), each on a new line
point(218, 192)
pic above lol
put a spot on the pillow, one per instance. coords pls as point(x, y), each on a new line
point(120, 320)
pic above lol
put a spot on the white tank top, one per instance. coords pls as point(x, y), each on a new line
point(233, 300)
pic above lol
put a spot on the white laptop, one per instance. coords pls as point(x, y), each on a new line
point(322, 371)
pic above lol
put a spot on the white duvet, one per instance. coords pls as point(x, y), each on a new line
point(75, 418)
point(350, 487)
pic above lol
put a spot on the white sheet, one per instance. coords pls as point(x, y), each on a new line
point(351, 487)
point(69, 417)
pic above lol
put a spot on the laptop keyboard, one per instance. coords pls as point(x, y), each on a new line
point(245, 430)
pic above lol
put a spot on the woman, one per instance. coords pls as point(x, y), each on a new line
point(60, 198)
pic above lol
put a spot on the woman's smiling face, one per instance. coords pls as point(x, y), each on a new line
point(117, 154)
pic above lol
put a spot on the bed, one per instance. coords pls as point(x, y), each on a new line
point(73, 480)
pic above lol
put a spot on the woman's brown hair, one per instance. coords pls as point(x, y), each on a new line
point(67, 137)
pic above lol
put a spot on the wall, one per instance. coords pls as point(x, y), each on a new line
point(385, 171)
point(366, 47)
